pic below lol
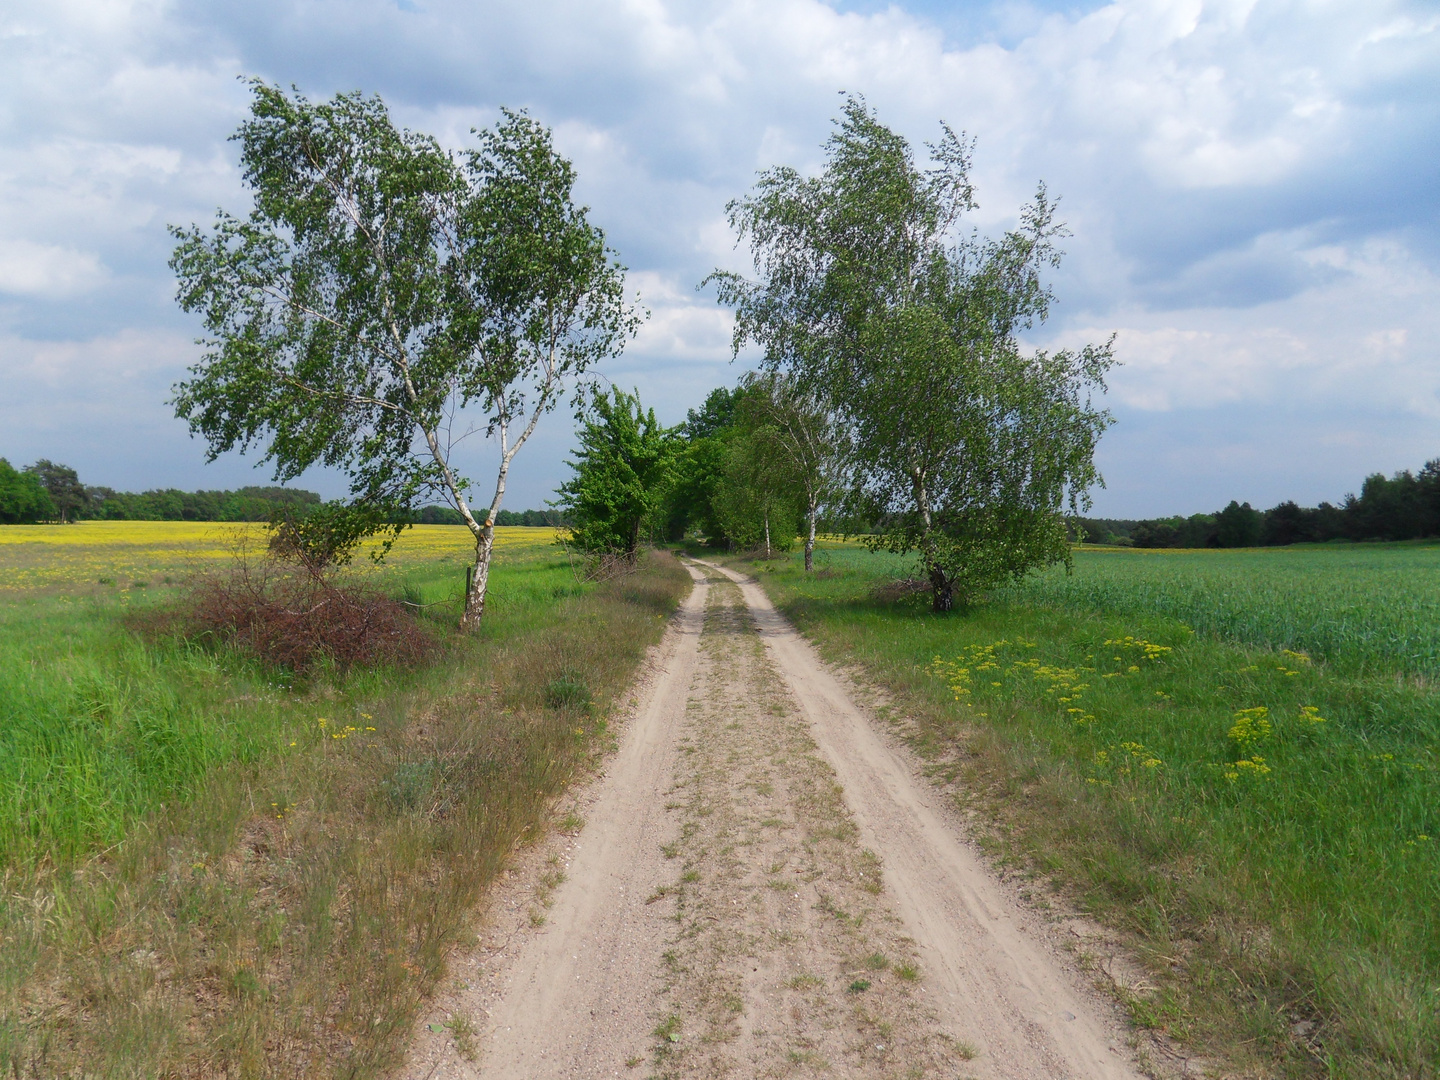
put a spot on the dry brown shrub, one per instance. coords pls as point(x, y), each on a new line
point(606, 565)
point(297, 617)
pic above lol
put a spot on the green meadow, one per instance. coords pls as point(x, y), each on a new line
point(99, 724)
point(1232, 757)
point(216, 867)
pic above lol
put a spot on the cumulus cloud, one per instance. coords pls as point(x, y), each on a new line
point(681, 325)
point(1253, 185)
point(30, 269)
point(1368, 337)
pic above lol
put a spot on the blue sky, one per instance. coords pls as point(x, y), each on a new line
point(1253, 189)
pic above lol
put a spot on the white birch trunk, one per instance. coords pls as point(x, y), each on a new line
point(810, 539)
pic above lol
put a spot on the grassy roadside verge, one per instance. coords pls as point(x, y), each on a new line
point(289, 914)
point(1277, 871)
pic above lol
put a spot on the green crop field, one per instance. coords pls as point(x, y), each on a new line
point(1363, 606)
point(1234, 757)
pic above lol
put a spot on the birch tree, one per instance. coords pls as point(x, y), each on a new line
point(966, 446)
point(756, 496)
point(384, 300)
point(802, 431)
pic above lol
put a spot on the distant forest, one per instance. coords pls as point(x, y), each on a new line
point(444, 515)
point(1405, 506)
point(45, 492)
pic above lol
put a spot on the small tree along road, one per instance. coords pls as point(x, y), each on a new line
point(965, 448)
point(621, 471)
point(382, 291)
point(803, 433)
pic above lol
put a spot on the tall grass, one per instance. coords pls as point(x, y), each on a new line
point(98, 726)
point(270, 886)
point(1290, 906)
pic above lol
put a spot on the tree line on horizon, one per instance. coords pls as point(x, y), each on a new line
point(47, 492)
point(733, 476)
point(530, 519)
point(1405, 506)
point(752, 468)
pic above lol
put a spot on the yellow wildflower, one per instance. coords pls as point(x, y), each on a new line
point(1251, 727)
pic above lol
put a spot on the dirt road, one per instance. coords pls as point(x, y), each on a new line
point(762, 888)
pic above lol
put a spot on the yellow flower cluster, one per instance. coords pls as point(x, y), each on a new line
point(1249, 729)
point(1295, 657)
point(1148, 649)
point(1254, 765)
point(976, 660)
point(340, 733)
point(1065, 684)
point(1123, 761)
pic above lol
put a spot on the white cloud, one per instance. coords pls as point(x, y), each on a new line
point(1367, 339)
point(94, 370)
point(30, 269)
point(682, 324)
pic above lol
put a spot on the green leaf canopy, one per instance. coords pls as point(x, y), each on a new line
point(622, 470)
point(963, 446)
point(383, 292)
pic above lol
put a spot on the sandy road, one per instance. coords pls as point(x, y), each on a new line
point(1025, 1010)
point(724, 912)
point(580, 998)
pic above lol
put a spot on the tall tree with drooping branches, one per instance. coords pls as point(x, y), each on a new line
point(385, 299)
point(967, 448)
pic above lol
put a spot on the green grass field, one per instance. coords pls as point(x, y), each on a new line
point(1235, 756)
point(1372, 607)
point(99, 726)
point(214, 868)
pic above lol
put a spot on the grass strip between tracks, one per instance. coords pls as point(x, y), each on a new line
point(1260, 825)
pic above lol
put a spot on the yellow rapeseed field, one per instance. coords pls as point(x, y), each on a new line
point(126, 553)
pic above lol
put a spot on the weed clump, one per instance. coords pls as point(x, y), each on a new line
point(300, 616)
point(890, 592)
point(568, 692)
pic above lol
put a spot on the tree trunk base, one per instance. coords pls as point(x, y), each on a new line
point(943, 592)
